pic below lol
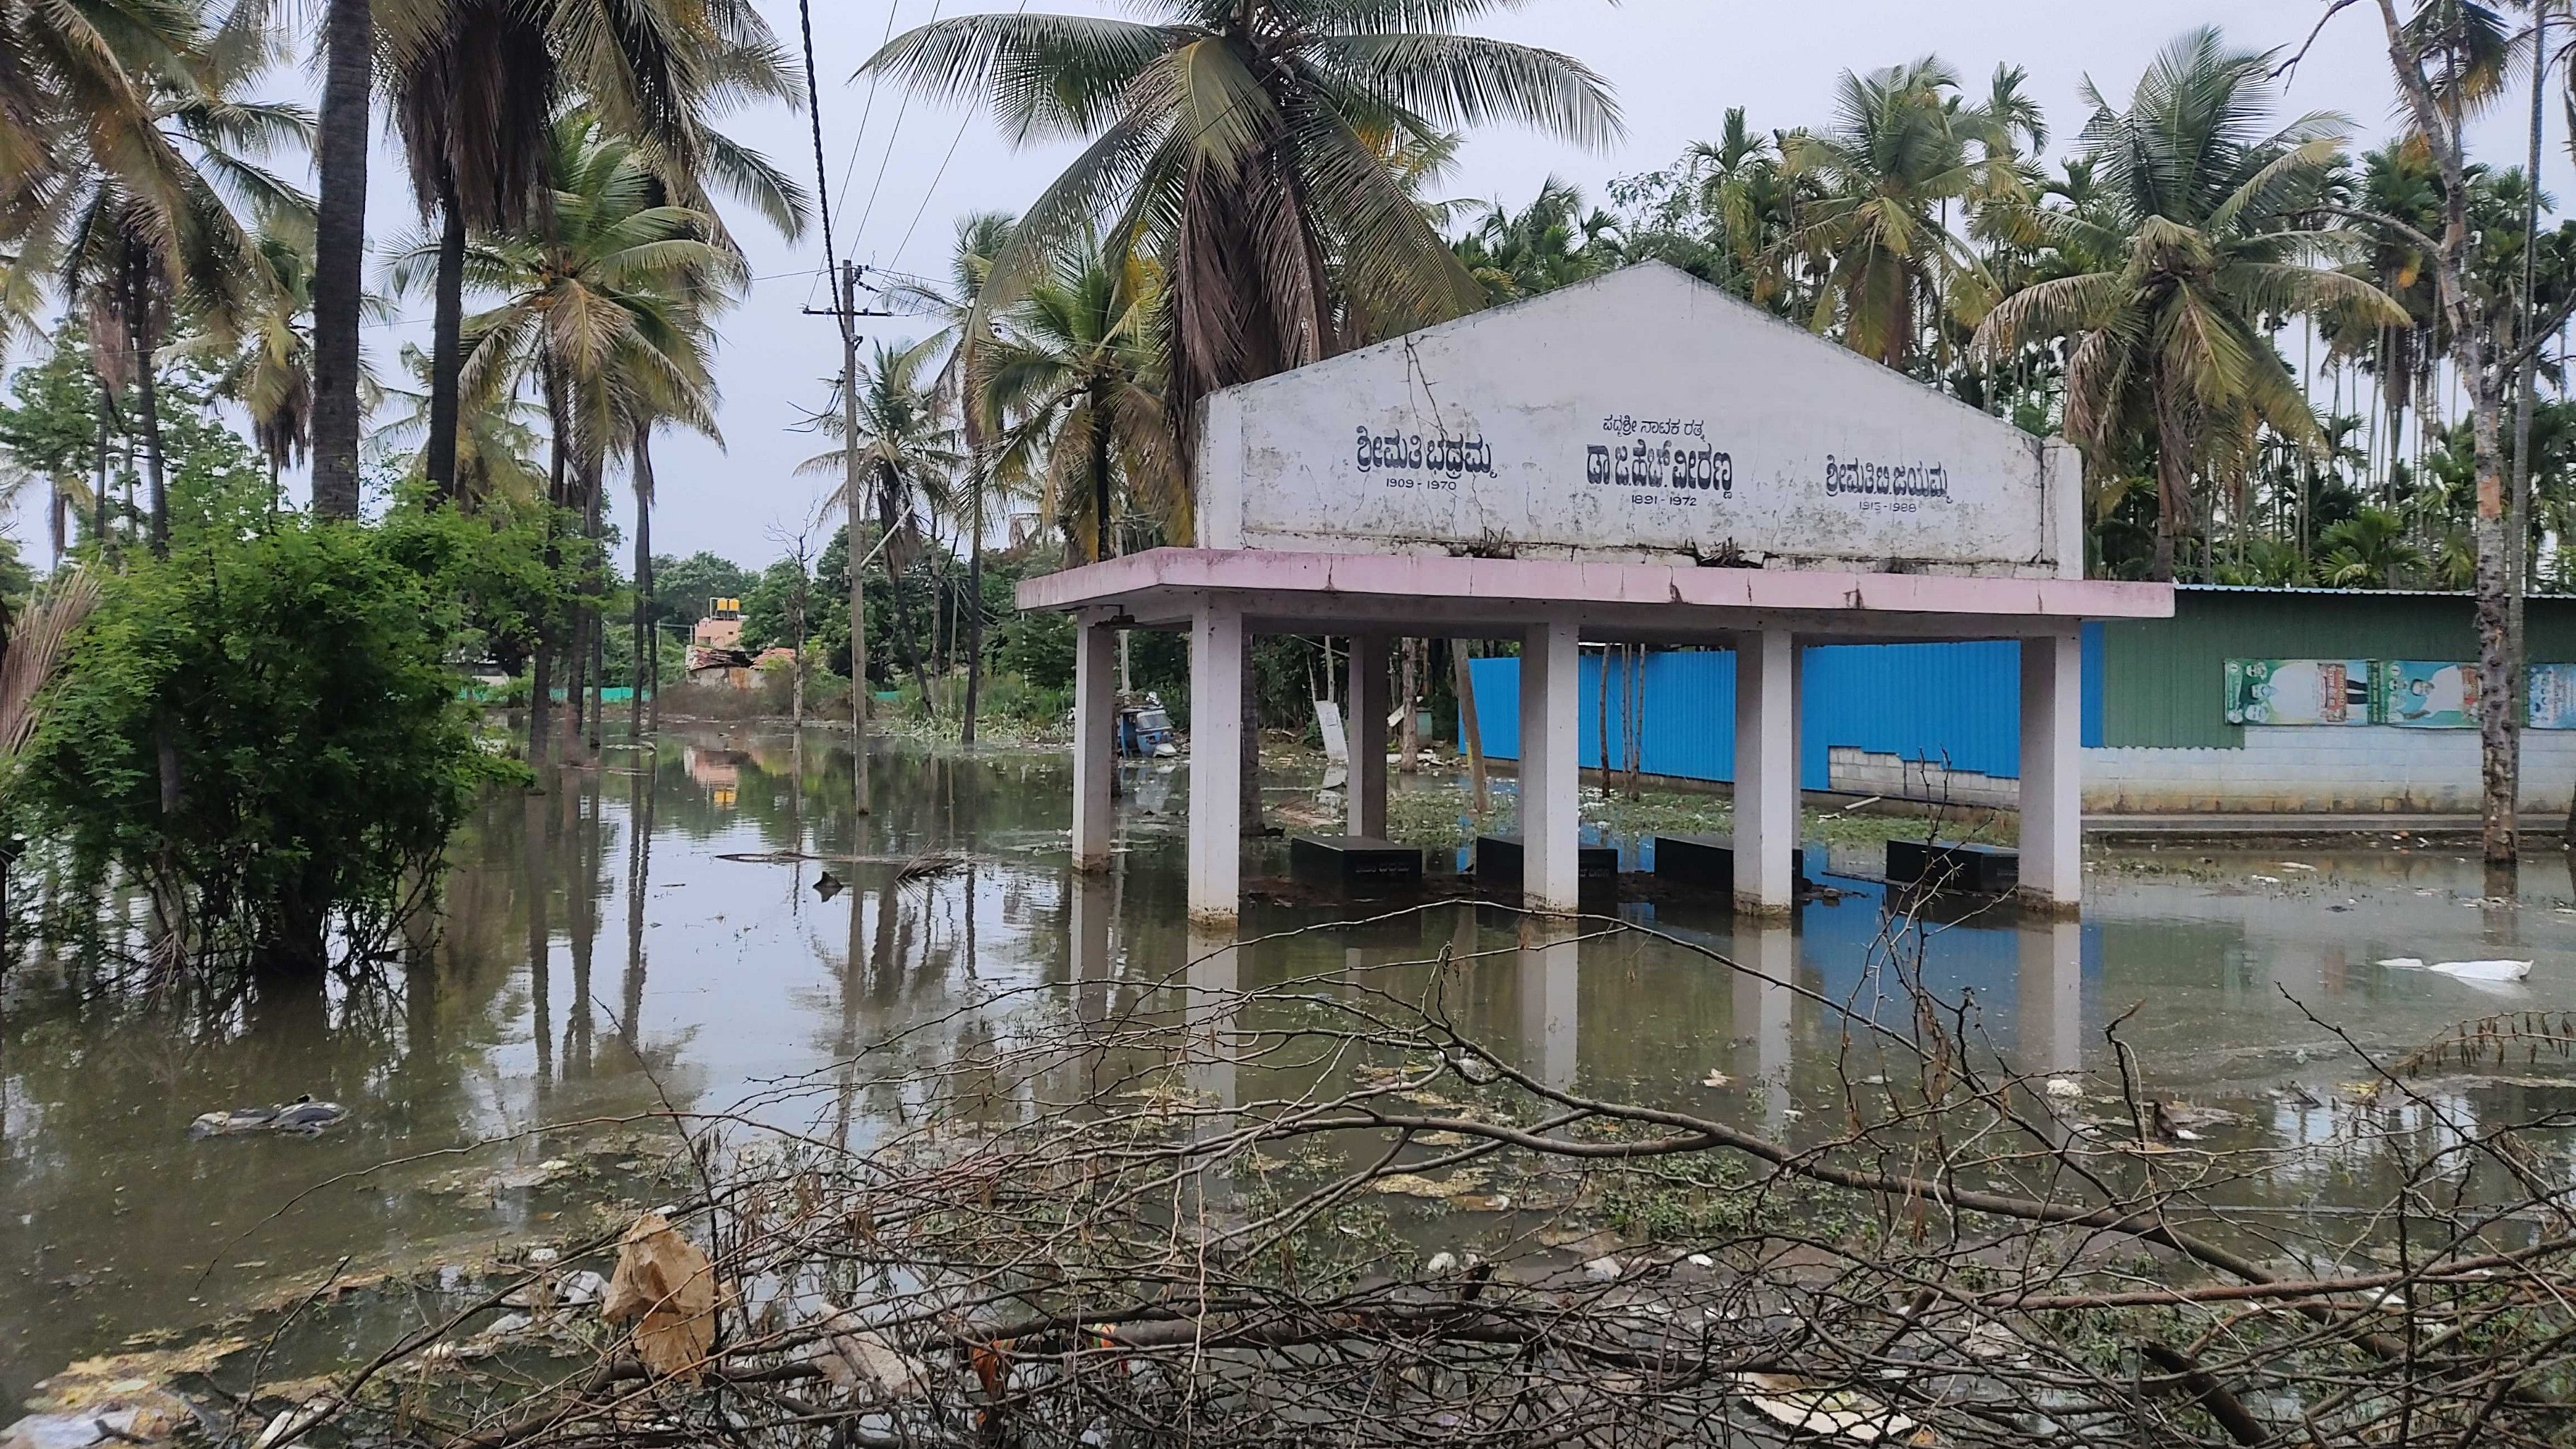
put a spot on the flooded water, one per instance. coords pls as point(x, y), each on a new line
point(627, 944)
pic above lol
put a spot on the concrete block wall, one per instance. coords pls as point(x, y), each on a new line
point(1855, 771)
point(2360, 769)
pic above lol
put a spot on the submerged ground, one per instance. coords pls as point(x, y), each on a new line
point(645, 938)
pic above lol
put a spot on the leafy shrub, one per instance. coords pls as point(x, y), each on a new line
point(262, 729)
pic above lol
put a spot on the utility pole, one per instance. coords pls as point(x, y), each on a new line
point(849, 313)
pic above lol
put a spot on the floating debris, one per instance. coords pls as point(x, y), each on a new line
point(304, 1117)
point(2483, 972)
point(666, 1286)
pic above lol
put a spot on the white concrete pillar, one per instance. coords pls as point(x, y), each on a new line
point(2052, 778)
point(1766, 772)
point(1364, 726)
point(1551, 766)
point(1095, 742)
point(1216, 764)
point(1550, 1001)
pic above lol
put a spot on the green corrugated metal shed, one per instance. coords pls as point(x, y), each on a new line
point(2163, 680)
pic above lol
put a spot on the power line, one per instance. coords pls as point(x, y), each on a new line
point(892, 137)
point(814, 109)
point(942, 173)
point(382, 323)
point(859, 142)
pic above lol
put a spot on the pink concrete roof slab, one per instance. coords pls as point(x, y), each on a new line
point(1458, 595)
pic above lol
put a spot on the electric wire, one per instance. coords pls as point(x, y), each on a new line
point(892, 137)
point(942, 173)
point(814, 110)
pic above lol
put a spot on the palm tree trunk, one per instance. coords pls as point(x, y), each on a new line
point(974, 612)
point(1408, 734)
point(98, 498)
point(2173, 474)
point(340, 245)
point(541, 683)
point(1101, 529)
point(447, 343)
point(852, 503)
point(645, 653)
point(1471, 732)
point(147, 396)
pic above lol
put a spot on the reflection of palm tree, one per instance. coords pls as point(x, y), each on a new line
point(639, 887)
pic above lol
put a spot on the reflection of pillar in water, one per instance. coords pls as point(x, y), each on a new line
point(1551, 1023)
point(2051, 992)
point(1210, 1041)
point(1091, 907)
point(1209, 1016)
point(1768, 957)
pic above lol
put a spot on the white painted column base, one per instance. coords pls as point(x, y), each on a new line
point(1364, 727)
point(1095, 743)
point(1766, 772)
point(1551, 767)
point(1216, 765)
point(2052, 774)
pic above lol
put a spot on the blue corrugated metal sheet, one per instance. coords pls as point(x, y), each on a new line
point(1956, 704)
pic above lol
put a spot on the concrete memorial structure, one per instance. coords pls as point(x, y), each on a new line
point(1639, 458)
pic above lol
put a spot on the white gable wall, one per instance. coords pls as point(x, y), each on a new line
point(1640, 416)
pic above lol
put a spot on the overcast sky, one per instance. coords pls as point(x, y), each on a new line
point(1676, 66)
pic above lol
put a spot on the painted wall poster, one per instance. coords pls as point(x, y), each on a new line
point(2553, 697)
point(2298, 691)
point(2419, 694)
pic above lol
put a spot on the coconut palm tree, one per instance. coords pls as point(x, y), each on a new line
point(1254, 144)
point(1077, 367)
point(479, 84)
point(907, 461)
point(269, 371)
point(607, 307)
point(340, 250)
point(144, 243)
point(2369, 550)
point(1551, 243)
point(2200, 213)
point(1893, 162)
point(497, 438)
point(967, 334)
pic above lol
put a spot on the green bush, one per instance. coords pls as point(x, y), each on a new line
point(1037, 647)
point(262, 729)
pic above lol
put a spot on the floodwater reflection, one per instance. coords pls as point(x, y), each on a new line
point(687, 869)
